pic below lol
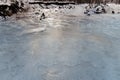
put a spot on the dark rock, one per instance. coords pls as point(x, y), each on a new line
point(113, 12)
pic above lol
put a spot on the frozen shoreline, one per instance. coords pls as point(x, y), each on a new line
point(36, 10)
point(78, 10)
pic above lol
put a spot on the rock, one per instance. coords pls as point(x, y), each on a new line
point(113, 12)
point(42, 16)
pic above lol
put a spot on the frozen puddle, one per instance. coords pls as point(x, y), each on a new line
point(71, 48)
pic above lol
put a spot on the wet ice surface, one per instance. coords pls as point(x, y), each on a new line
point(63, 48)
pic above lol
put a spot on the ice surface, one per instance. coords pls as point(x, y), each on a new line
point(64, 47)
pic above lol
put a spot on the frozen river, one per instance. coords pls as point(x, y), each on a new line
point(61, 48)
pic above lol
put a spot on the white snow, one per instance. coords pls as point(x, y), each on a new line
point(77, 11)
point(3, 3)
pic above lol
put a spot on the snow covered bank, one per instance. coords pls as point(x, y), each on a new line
point(77, 11)
point(35, 11)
